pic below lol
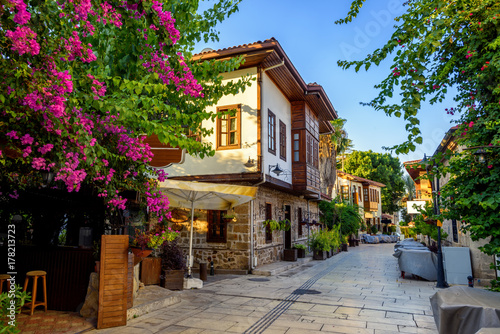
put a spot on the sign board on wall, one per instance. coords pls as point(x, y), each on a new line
point(410, 206)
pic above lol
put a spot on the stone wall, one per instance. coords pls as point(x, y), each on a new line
point(271, 252)
point(235, 253)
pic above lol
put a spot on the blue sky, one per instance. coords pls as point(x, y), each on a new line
point(307, 33)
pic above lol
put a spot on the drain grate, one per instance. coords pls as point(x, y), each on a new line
point(306, 292)
point(259, 279)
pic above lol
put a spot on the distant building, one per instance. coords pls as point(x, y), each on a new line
point(363, 192)
point(456, 236)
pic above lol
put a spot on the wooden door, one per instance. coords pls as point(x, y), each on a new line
point(112, 309)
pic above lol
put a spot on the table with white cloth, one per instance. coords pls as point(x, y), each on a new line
point(419, 262)
point(464, 310)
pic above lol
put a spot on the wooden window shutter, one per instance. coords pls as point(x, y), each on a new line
point(112, 311)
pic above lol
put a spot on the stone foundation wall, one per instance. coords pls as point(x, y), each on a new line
point(235, 253)
point(232, 254)
point(266, 252)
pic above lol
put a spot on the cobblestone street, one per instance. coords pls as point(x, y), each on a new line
point(359, 291)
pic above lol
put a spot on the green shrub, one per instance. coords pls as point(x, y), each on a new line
point(320, 241)
point(299, 246)
point(8, 320)
point(373, 229)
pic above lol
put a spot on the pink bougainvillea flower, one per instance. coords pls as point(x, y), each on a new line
point(23, 40)
point(12, 134)
point(27, 139)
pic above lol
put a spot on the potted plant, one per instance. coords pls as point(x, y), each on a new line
point(228, 217)
point(173, 266)
point(344, 243)
point(285, 225)
point(144, 243)
point(271, 224)
point(320, 244)
point(301, 250)
point(334, 240)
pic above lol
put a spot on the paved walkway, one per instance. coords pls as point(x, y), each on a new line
point(359, 291)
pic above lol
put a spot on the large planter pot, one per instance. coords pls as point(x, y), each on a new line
point(301, 253)
point(173, 279)
point(290, 255)
point(319, 255)
point(328, 254)
point(151, 271)
point(344, 247)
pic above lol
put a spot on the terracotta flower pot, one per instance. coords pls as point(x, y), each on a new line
point(140, 254)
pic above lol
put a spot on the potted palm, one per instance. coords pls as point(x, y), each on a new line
point(173, 266)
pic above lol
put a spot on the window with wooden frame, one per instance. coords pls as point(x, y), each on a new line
point(296, 147)
point(269, 215)
point(229, 128)
point(360, 194)
point(366, 195)
point(315, 162)
point(282, 141)
point(189, 133)
point(217, 228)
point(345, 192)
point(309, 150)
point(271, 132)
point(355, 195)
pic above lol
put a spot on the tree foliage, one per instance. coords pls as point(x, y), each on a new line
point(341, 214)
point(437, 45)
point(425, 222)
point(379, 167)
point(83, 80)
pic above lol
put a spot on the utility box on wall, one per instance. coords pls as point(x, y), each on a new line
point(457, 265)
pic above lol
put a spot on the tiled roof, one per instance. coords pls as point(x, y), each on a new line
point(269, 56)
point(412, 162)
point(248, 45)
point(360, 179)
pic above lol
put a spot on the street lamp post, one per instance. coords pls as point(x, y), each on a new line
point(441, 282)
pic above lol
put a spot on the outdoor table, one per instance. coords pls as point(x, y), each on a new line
point(420, 262)
point(464, 310)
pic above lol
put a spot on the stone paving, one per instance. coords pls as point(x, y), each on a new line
point(359, 291)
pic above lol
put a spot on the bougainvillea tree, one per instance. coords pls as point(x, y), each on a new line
point(83, 81)
point(436, 45)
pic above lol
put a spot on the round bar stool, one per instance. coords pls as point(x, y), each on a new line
point(35, 275)
point(4, 278)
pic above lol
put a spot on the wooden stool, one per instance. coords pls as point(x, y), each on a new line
point(4, 278)
point(35, 275)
